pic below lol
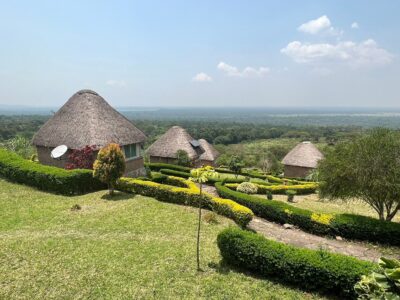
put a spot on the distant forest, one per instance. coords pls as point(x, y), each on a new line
point(215, 131)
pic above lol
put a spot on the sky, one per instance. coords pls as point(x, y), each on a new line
point(202, 53)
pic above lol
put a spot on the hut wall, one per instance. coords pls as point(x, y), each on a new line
point(165, 160)
point(135, 167)
point(296, 171)
point(44, 156)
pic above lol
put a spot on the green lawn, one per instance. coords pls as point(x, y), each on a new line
point(135, 247)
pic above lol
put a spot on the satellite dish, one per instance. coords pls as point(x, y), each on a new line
point(59, 151)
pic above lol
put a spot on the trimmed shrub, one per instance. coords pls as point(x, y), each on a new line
point(303, 189)
point(345, 225)
point(175, 173)
point(308, 269)
point(247, 188)
point(159, 166)
point(47, 178)
point(188, 196)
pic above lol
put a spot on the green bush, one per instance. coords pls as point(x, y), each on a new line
point(345, 225)
point(307, 269)
point(67, 182)
point(159, 166)
point(175, 173)
point(301, 189)
point(247, 188)
point(188, 196)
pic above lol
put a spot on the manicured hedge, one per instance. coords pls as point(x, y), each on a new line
point(301, 189)
point(345, 225)
point(308, 269)
point(175, 173)
point(187, 196)
point(159, 166)
point(46, 178)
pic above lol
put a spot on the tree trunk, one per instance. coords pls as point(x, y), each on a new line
point(198, 230)
point(391, 215)
point(111, 189)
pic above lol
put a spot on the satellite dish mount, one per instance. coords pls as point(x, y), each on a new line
point(58, 152)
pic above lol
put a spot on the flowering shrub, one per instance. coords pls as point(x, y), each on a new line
point(81, 158)
point(322, 218)
point(247, 188)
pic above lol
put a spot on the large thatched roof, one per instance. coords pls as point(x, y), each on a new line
point(176, 138)
point(304, 154)
point(210, 153)
point(87, 119)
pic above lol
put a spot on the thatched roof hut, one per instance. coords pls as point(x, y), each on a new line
point(164, 149)
point(210, 153)
point(87, 119)
point(301, 160)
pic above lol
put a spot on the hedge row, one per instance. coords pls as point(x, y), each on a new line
point(159, 166)
point(175, 173)
point(187, 196)
point(307, 269)
point(301, 189)
point(46, 178)
point(345, 225)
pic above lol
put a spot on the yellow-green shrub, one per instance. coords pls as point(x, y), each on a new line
point(187, 196)
point(301, 189)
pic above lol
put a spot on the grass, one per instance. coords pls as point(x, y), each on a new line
point(128, 247)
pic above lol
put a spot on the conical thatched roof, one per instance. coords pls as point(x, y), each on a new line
point(176, 138)
point(304, 154)
point(210, 153)
point(87, 119)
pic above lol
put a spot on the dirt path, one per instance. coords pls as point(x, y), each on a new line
point(299, 238)
point(303, 239)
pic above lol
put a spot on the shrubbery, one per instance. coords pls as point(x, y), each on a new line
point(187, 196)
point(247, 188)
point(47, 178)
point(159, 166)
point(308, 269)
point(345, 225)
point(175, 173)
point(301, 189)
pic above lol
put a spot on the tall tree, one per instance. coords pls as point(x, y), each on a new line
point(200, 176)
point(367, 168)
point(235, 165)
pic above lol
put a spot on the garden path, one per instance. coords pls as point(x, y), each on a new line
point(296, 237)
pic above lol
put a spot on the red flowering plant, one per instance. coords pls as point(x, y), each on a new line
point(81, 158)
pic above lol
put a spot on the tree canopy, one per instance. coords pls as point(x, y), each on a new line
point(367, 168)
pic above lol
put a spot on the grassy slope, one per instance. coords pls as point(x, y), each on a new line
point(136, 247)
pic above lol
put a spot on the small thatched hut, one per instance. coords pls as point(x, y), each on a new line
point(210, 154)
point(301, 160)
point(164, 149)
point(86, 119)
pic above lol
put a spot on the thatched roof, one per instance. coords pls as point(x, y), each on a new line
point(210, 153)
point(176, 138)
point(304, 154)
point(87, 119)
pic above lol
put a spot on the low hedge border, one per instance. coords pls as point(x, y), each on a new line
point(175, 173)
point(349, 226)
point(187, 196)
point(47, 178)
point(159, 166)
point(303, 189)
point(308, 269)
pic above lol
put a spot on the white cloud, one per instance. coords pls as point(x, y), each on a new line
point(366, 53)
point(316, 26)
point(246, 72)
point(354, 25)
point(202, 77)
point(116, 83)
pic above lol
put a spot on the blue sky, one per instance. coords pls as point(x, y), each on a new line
point(201, 53)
